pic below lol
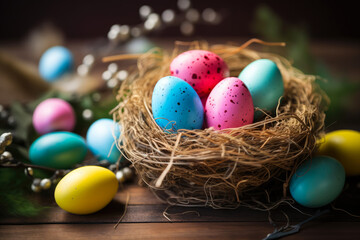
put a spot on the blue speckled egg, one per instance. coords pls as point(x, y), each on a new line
point(265, 83)
point(59, 150)
point(176, 105)
point(100, 139)
point(317, 182)
point(55, 63)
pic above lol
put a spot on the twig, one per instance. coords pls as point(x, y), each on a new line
point(125, 210)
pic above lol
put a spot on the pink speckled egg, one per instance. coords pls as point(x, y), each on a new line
point(229, 105)
point(201, 69)
point(53, 114)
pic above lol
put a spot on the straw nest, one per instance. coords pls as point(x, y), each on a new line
point(210, 167)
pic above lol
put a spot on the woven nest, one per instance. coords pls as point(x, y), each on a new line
point(211, 167)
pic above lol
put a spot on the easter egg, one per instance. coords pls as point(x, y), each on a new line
point(317, 181)
point(53, 114)
point(344, 146)
point(176, 105)
point(55, 63)
point(139, 45)
point(86, 190)
point(265, 83)
point(229, 105)
point(100, 139)
point(201, 69)
point(59, 150)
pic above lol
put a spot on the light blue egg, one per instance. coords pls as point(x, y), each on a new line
point(317, 182)
point(55, 62)
point(265, 83)
point(61, 150)
point(100, 139)
point(139, 45)
point(176, 105)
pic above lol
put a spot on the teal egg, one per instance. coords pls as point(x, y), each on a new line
point(265, 83)
point(55, 63)
point(100, 139)
point(176, 105)
point(61, 150)
point(317, 181)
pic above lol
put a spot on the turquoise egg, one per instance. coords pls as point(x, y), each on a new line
point(176, 105)
point(265, 83)
point(55, 63)
point(317, 181)
point(59, 150)
point(100, 139)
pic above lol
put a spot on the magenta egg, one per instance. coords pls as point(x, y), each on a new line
point(229, 105)
point(201, 69)
point(53, 114)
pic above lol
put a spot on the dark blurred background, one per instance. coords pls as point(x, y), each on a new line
point(328, 20)
point(322, 38)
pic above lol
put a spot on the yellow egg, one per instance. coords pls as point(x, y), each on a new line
point(343, 145)
point(86, 190)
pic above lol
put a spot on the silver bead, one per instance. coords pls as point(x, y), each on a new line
point(104, 163)
point(168, 16)
point(187, 28)
point(113, 67)
point(122, 75)
point(112, 167)
point(35, 188)
point(6, 138)
point(115, 27)
point(87, 114)
point(36, 182)
point(29, 171)
point(106, 75)
point(120, 176)
point(192, 15)
point(83, 70)
point(145, 11)
point(127, 172)
point(7, 155)
point(89, 60)
point(183, 4)
point(45, 183)
point(113, 82)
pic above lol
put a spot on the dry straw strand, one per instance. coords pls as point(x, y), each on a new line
point(215, 168)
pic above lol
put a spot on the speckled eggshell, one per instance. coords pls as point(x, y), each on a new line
point(176, 105)
point(229, 105)
point(201, 69)
point(53, 114)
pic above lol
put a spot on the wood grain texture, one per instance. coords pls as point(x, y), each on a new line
point(144, 218)
point(159, 231)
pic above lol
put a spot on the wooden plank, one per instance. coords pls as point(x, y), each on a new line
point(229, 230)
point(154, 213)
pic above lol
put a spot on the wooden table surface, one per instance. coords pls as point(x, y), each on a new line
point(144, 218)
